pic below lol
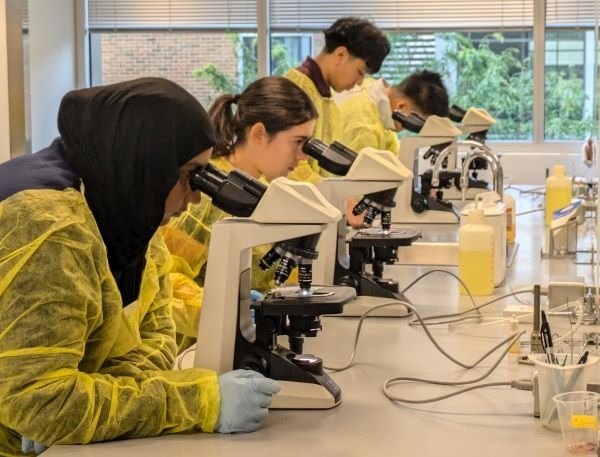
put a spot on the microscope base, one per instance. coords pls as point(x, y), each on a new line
point(364, 303)
point(302, 395)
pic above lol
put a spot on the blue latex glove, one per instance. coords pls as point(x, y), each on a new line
point(245, 399)
point(28, 446)
point(255, 295)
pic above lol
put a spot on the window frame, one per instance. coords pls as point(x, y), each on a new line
point(537, 144)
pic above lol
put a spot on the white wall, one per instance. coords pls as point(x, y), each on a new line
point(530, 168)
point(53, 66)
point(4, 118)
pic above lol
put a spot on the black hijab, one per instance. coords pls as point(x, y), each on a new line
point(127, 142)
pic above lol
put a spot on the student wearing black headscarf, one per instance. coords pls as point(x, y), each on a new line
point(86, 332)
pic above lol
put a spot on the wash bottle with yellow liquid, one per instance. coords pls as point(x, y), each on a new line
point(558, 191)
point(476, 254)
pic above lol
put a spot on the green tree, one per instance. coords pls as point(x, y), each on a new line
point(245, 49)
point(223, 83)
point(564, 104)
point(500, 82)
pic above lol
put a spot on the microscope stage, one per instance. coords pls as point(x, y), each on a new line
point(289, 301)
point(397, 236)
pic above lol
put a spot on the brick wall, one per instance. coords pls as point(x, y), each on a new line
point(172, 55)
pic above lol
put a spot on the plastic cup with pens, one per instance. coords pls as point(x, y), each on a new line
point(554, 379)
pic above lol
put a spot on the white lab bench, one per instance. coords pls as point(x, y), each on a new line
point(493, 422)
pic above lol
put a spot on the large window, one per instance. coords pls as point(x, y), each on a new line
point(483, 53)
point(569, 84)
point(571, 69)
point(206, 64)
point(287, 50)
point(486, 55)
point(196, 44)
point(491, 69)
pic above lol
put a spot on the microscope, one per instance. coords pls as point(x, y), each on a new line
point(419, 203)
point(237, 333)
point(475, 122)
point(376, 174)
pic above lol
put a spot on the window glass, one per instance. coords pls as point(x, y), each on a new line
point(569, 84)
point(490, 70)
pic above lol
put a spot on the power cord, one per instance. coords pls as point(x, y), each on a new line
point(458, 315)
point(519, 384)
point(530, 211)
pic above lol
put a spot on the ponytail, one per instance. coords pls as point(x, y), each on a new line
point(223, 120)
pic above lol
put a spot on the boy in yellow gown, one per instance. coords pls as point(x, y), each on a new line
point(353, 48)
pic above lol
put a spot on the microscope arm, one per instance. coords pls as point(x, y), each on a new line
point(235, 193)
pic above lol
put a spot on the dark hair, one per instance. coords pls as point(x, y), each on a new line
point(427, 91)
point(362, 38)
point(275, 101)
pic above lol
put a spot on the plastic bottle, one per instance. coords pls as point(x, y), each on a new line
point(511, 218)
point(476, 255)
point(558, 191)
point(513, 327)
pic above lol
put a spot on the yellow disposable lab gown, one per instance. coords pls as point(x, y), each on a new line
point(362, 126)
point(75, 365)
point(327, 128)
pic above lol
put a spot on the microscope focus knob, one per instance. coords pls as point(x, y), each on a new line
point(418, 203)
point(254, 362)
point(309, 362)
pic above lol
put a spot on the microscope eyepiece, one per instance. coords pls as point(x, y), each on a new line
point(343, 151)
point(246, 182)
point(207, 179)
point(314, 148)
point(236, 193)
point(335, 158)
point(412, 122)
point(456, 113)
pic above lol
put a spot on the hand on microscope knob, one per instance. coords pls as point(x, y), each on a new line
point(245, 399)
point(356, 222)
